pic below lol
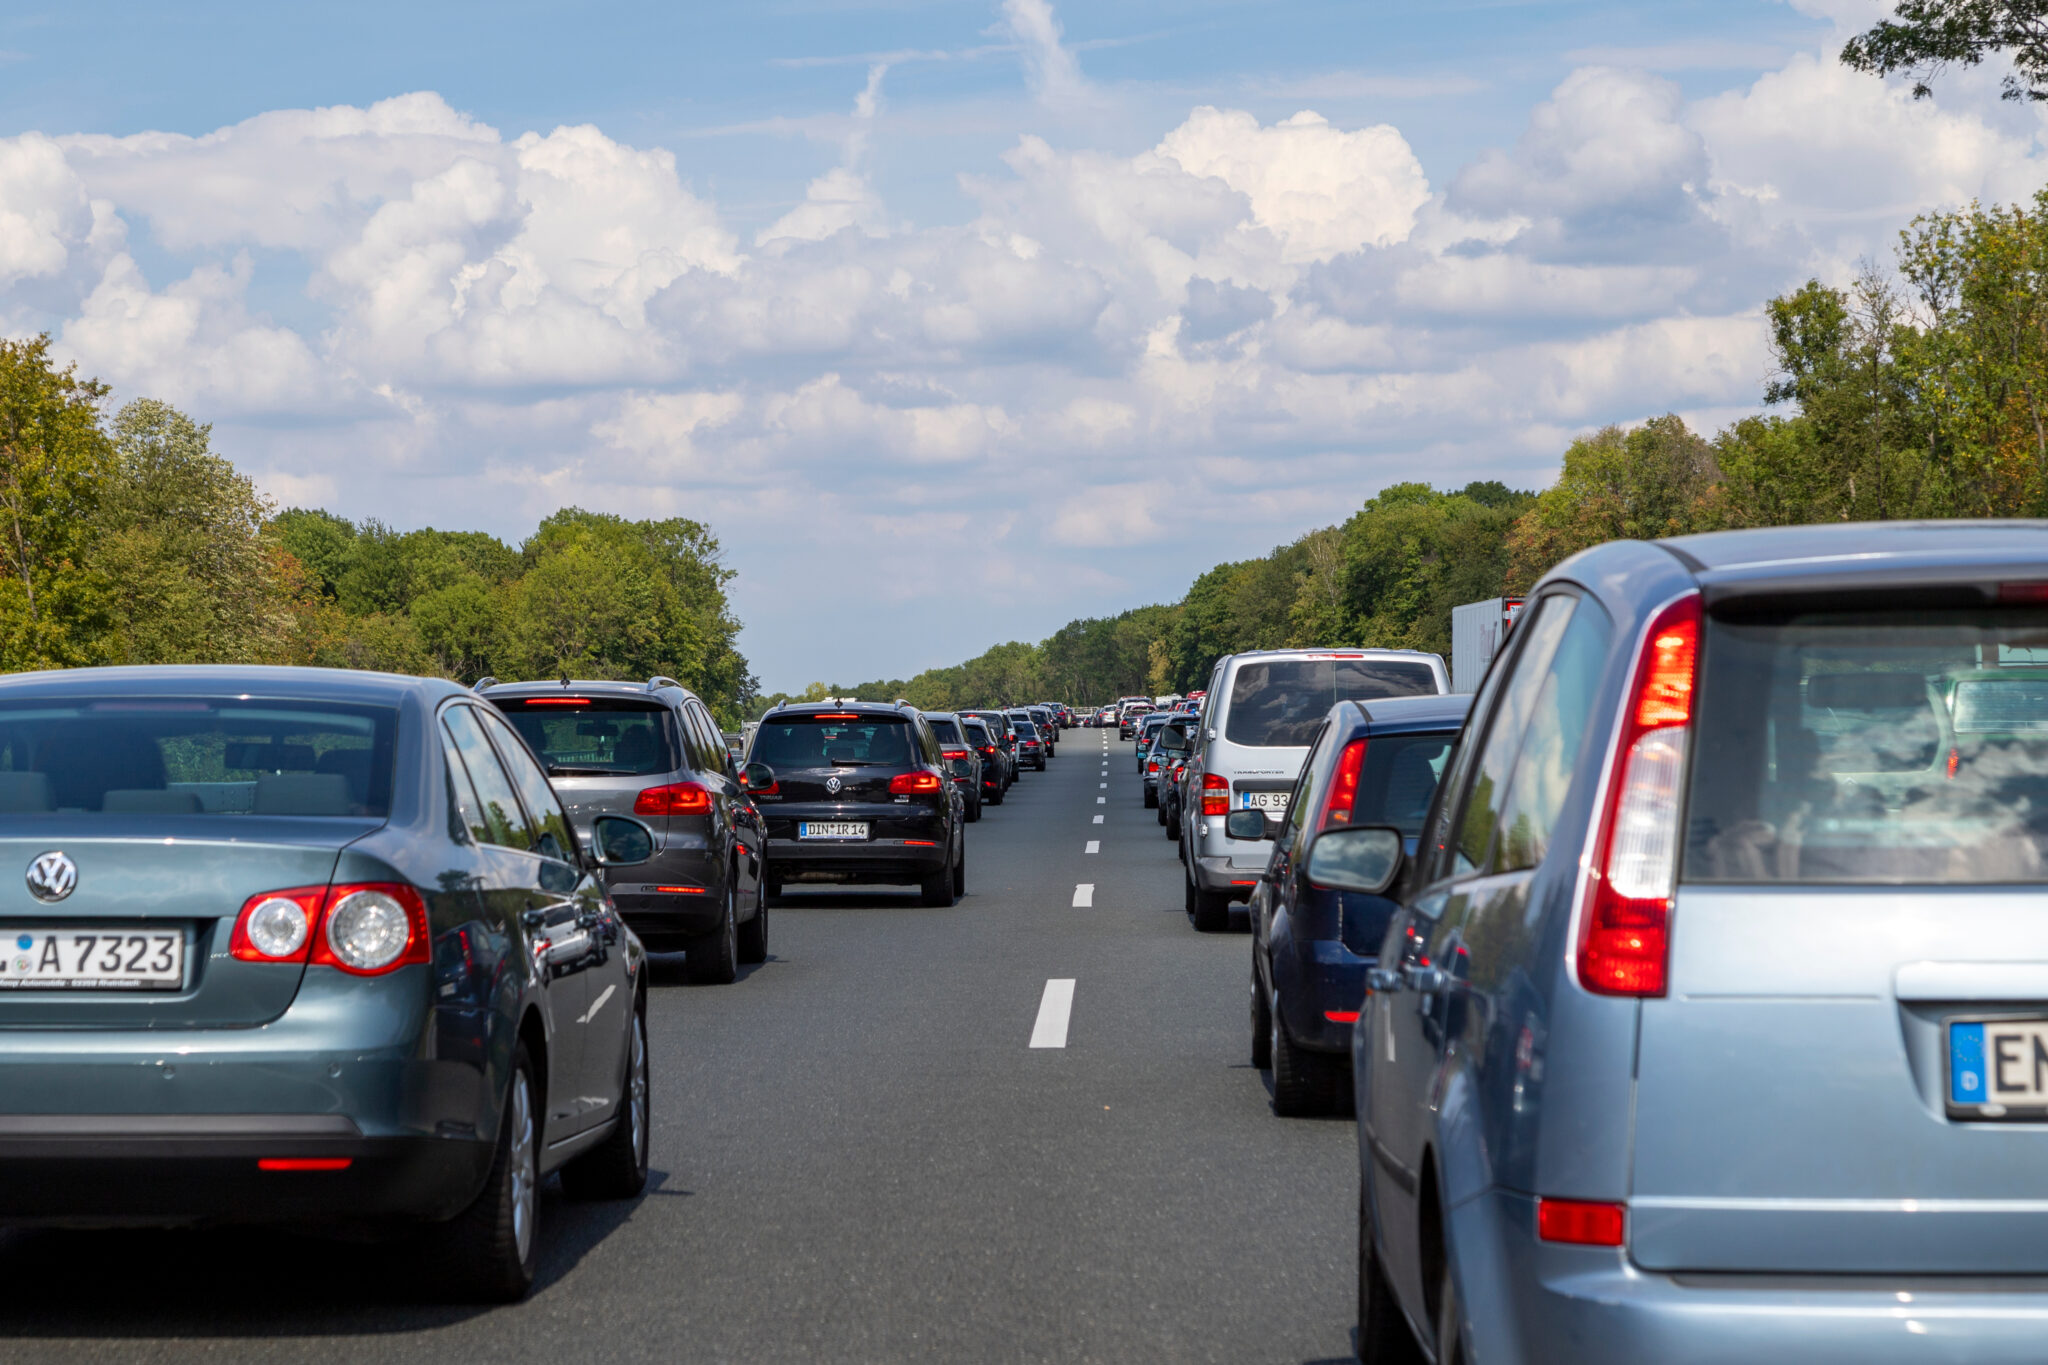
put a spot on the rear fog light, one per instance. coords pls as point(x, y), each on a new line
point(1580, 1222)
point(304, 1163)
point(1341, 1016)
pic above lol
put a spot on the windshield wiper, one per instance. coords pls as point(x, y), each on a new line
point(570, 770)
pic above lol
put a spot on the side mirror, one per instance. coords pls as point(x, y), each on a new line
point(757, 778)
point(621, 841)
point(1367, 859)
point(1246, 824)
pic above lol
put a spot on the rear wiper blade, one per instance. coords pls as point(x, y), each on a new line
point(569, 770)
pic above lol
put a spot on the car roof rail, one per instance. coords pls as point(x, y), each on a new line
point(481, 683)
point(661, 680)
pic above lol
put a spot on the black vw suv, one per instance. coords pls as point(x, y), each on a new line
point(858, 792)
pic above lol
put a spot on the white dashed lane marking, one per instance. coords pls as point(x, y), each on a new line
point(1055, 1007)
point(1094, 846)
point(1084, 895)
point(1101, 800)
point(1103, 785)
point(1098, 819)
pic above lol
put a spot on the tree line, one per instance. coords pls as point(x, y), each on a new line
point(129, 540)
point(1919, 393)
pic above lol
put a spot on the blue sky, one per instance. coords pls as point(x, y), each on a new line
point(955, 320)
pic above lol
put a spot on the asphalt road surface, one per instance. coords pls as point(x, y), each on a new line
point(860, 1154)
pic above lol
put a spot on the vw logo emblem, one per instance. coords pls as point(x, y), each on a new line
point(52, 877)
point(833, 784)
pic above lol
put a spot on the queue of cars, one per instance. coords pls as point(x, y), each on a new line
point(1689, 980)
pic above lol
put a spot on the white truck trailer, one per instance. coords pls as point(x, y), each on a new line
point(1477, 630)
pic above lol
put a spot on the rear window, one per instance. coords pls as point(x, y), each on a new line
point(977, 735)
point(947, 732)
point(595, 736)
point(1281, 702)
point(821, 742)
point(1025, 729)
point(1399, 778)
point(1871, 749)
point(196, 756)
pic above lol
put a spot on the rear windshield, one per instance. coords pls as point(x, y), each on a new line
point(1908, 748)
point(1281, 702)
point(595, 736)
point(947, 731)
point(977, 735)
point(820, 742)
point(1025, 729)
point(196, 756)
point(1399, 778)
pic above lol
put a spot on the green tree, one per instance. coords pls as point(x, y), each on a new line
point(1656, 480)
point(54, 606)
point(1924, 38)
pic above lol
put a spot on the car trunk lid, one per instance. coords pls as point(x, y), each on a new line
point(182, 875)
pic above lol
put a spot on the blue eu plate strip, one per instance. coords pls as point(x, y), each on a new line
point(1966, 1064)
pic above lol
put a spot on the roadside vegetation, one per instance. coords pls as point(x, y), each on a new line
point(127, 540)
point(1919, 393)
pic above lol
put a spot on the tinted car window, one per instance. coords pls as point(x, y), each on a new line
point(502, 820)
point(1400, 776)
point(1025, 729)
point(553, 837)
point(1474, 833)
point(811, 742)
point(977, 734)
point(196, 756)
point(1893, 748)
point(1551, 743)
point(711, 751)
point(947, 731)
point(1280, 702)
point(603, 735)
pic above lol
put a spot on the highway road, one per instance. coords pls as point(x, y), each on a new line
point(860, 1155)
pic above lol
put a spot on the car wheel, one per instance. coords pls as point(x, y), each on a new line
point(995, 798)
point(1383, 1335)
point(938, 888)
point(1450, 1323)
point(974, 811)
point(960, 876)
point(753, 945)
point(617, 1167)
point(1172, 823)
point(1305, 1084)
point(1151, 798)
point(1207, 911)
point(1262, 1020)
point(714, 959)
point(490, 1250)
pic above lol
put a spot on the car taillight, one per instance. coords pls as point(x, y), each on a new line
point(1215, 795)
point(919, 783)
point(1625, 940)
point(1343, 798)
point(958, 753)
point(677, 798)
point(370, 928)
point(1581, 1222)
point(362, 928)
point(277, 926)
point(1153, 766)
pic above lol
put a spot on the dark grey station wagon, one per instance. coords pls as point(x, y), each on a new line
point(309, 946)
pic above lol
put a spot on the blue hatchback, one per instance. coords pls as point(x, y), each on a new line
point(1372, 763)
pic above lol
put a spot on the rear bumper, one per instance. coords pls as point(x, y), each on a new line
point(1533, 1302)
point(1221, 876)
point(653, 913)
point(880, 861)
point(99, 1169)
point(1316, 978)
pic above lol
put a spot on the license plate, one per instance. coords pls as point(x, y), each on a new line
point(1274, 803)
point(832, 829)
point(1998, 1067)
point(107, 959)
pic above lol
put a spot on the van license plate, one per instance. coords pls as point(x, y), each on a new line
point(109, 959)
point(832, 829)
point(1273, 803)
point(1998, 1068)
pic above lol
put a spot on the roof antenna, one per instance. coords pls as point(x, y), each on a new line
point(565, 680)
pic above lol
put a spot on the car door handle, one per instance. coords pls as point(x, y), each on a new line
point(1384, 980)
point(1425, 979)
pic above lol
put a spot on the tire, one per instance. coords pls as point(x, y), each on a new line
point(753, 934)
point(1207, 911)
point(1306, 1084)
point(714, 959)
point(938, 888)
point(960, 876)
point(997, 798)
point(1450, 1323)
point(1383, 1335)
point(771, 888)
point(1262, 1020)
point(1171, 820)
point(1151, 798)
point(489, 1252)
point(974, 810)
point(617, 1167)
